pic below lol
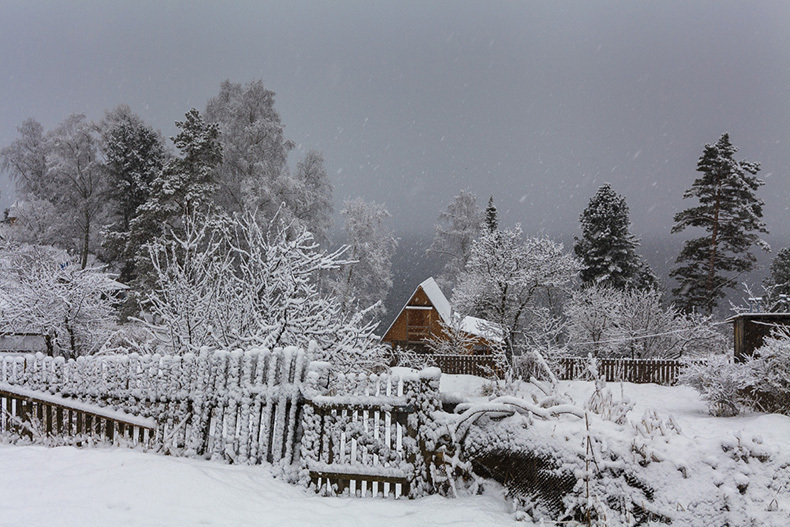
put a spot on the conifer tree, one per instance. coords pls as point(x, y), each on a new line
point(731, 214)
point(607, 249)
point(492, 216)
point(184, 187)
point(134, 155)
point(777, 285)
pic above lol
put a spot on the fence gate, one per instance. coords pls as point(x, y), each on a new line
point(361, 432)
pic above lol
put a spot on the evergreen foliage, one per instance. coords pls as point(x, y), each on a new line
point(777, 285)
point(492, 216)
point(606, 248)
point(134, 155)
point(730, 213)
point(184, 187)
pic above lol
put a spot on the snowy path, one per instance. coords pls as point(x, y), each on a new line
point(98, 487)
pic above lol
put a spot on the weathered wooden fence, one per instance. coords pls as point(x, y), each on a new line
point(362, 434)
point(242, 407)
point(31, 413)
point(659, 371)
point(466, 364)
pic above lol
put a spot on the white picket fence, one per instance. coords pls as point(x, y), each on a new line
point(238, 406)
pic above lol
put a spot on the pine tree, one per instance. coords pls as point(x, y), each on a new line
point(730, 212)
point(607, 249)
point(492, 216)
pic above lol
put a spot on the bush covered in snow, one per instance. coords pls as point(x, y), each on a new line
point(761, 382)
point(721, 383)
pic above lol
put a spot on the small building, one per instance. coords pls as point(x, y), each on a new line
point(749, 330)
point(425, 315)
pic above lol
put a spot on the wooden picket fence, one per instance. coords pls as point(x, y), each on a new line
point(240, 406)
point(658, 371)
point(46, 417)
point(361, 433)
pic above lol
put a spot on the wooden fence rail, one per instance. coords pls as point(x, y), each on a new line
point(28, 413)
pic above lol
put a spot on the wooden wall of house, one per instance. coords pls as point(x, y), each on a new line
point(399, 331)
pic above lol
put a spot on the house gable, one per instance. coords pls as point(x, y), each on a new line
point(422, 316)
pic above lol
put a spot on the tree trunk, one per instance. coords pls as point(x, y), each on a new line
point(714, 240)
point(86, 240)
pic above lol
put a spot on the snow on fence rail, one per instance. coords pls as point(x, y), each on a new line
point(659, 371)
point(28, 412)
point(239, 406)
point(365, 434)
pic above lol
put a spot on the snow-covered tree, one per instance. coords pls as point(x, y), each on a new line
point(252, 174)
point(591, 313)
point(506, 277)
point(134, 155)
point(79, 182)
point(458, 226)
point(608, 322)
point(25, 160)
point(731, 214)
point(371, 245)
point(61, 167)
point(491, 216)
point(312, 203)
point(777, 285)
point(231, 282)
point(607, 249)
point(41, 292)
point(184, 186)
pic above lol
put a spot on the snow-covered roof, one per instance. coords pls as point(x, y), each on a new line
point(437, 298)
point(758, 315)
point(481, 328)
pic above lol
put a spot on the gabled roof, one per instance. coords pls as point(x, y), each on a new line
point(472, 325)
point(481, 328)
point(437, 298)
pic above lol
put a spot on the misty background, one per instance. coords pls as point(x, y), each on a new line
point(535, 103)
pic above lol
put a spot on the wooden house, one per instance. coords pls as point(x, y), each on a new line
point(749, 330)
point(425, 314)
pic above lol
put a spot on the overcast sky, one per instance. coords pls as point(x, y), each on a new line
point(537, 103)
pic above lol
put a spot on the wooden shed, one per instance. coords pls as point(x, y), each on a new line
point(423, 315)
point(749, 330)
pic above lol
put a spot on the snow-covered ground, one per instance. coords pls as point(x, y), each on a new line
point(66, 486)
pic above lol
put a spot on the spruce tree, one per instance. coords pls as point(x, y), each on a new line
point(730, 212)
point(607, 249)
point(777, 285)
point(134, 156)
point(492, 216)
